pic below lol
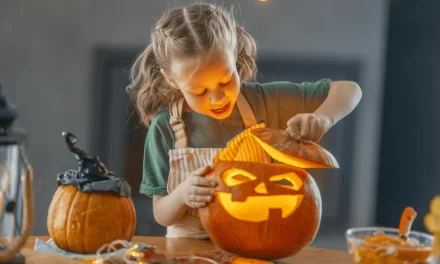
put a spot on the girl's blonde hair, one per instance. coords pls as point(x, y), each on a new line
point(182, 32)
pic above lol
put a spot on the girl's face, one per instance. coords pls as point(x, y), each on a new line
point(210, 84)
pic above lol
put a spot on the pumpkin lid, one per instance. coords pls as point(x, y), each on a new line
point(303, 154)
point(92, 175)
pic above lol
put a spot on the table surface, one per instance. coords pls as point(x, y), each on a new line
point(182, 247)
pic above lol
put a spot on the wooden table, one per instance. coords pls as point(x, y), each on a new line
point(181, 247)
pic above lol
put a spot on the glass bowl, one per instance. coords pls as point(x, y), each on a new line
point(417, 248)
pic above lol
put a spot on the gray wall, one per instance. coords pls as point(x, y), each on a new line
point(46, 67)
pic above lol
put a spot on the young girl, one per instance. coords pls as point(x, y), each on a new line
point(194, 78)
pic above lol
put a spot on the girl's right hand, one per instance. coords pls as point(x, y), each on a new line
point(196, 190)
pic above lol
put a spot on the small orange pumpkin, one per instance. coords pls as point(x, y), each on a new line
point(265, 210)
point(91, 206)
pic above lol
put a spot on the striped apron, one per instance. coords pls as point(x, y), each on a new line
point(185, 160)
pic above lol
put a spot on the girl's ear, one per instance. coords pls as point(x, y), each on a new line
point(168, 79)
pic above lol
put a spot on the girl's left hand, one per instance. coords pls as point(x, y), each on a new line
point(308, 126)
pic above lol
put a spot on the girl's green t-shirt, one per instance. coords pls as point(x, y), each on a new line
point(273, 103)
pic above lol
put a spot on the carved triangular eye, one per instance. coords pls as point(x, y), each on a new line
point(233, 177)
point(283, 182)
point(288, 180)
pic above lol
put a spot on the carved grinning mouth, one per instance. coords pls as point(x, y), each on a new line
point(257, 208)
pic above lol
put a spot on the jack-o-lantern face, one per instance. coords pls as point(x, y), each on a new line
point(275, 192)
point(262, 210)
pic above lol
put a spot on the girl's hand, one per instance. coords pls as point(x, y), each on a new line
point(308, 126)
point(197, 191)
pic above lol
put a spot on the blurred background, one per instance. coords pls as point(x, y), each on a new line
point(64, 65)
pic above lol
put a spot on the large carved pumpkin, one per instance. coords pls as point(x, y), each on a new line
point(263, 208)
point(91, 206)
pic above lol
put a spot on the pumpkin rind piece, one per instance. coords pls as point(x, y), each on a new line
point(305, 154)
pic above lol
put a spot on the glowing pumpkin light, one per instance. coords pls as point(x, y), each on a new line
point(265, 210)
point(255, 208)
